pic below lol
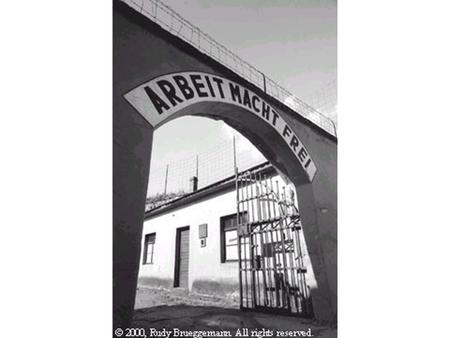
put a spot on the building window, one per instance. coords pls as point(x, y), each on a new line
point(149, 248)
point(229, 238)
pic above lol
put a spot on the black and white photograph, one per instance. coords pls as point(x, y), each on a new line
point(225, 167)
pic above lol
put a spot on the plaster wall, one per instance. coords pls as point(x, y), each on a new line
point(204, 262)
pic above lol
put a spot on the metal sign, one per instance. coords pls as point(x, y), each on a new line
point(160, 98)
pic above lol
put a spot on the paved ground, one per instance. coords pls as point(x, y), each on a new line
point(163, 309)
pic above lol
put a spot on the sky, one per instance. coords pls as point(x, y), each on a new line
point(294, 42)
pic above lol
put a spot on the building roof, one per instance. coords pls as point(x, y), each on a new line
point(219, 186)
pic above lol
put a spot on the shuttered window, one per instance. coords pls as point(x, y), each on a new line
point(149, 248)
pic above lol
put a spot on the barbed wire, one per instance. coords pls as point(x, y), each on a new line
point(175, 24)
point(325, 100)
point(210, 166)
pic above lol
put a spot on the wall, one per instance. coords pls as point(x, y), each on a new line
point(204, 262)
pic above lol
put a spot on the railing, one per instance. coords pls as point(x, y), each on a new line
point(175, 24)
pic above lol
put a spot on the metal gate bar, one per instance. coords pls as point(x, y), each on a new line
point(272, 273)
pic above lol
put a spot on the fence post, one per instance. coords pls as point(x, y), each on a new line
point(234, 153)
point(196, 165)
point(165, 182)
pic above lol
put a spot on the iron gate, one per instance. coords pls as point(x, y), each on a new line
point(272, 273)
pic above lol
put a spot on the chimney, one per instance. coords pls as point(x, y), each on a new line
point(193, 183)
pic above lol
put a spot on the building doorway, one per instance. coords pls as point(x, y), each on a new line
point(181, 278)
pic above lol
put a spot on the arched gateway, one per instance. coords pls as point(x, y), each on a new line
point(157, 78)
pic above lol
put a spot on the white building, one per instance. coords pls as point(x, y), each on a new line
point(191, 241)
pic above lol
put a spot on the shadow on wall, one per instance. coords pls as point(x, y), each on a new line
point(216, 288)
point(155, 282)
point(207, 287)
point(154, 292)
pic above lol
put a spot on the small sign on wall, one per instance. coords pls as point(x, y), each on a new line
point(203, 231)
point(202, 234)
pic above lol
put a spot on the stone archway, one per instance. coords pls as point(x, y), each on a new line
point(156, 79)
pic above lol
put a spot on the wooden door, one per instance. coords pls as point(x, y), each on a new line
point(182, 258)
